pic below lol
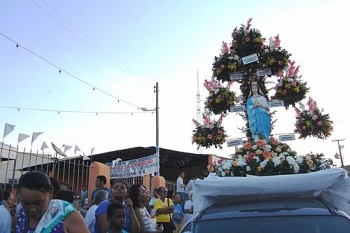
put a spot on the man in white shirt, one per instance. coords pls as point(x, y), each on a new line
point(180, 187)
point(188, 208)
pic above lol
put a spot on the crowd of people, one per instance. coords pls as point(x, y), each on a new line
point(47, 205)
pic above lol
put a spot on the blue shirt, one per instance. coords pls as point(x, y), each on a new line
point(178, 214)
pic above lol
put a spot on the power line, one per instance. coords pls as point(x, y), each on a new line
point(60, 70)
point(120, 65)
point(68, 111)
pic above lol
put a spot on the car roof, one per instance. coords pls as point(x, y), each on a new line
point(267, 207)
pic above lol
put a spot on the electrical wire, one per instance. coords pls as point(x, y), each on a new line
point(73, 111)
point(60, 70)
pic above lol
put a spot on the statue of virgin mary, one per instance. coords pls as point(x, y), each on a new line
point(258, 114)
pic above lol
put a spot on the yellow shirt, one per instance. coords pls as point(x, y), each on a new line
point(159, 204)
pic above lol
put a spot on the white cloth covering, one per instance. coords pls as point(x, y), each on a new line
point(332, 185)
point(5, 220)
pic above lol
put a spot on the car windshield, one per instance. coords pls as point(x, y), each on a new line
point(285, 224)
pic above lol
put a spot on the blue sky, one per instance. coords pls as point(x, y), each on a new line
point(125, 47)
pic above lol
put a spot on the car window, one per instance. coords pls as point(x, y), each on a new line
point(285, 224)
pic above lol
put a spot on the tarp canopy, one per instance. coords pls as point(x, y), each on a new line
point(332, 185)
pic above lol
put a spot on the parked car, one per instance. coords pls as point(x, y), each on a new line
point(286, 215)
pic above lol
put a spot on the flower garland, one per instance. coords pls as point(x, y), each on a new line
point(313, 122)
point(265, 158)
point(249, 41)
point(220, 98)
point(290, 88)
point(210, 133)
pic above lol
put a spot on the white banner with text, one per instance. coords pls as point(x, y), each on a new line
point(135, 167)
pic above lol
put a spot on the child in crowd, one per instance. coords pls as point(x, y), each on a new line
point(116, 218)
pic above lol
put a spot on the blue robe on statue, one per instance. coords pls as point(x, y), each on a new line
point(258, 117)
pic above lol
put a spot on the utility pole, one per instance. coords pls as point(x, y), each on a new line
point(156, 109)
point(340, 147)
point(157, 127)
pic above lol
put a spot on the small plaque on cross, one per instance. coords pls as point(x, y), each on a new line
point(234, 142)
point(250, 59)
point(276, 103)
point(286, 137)
point(263, 72)
point(236, 75)
point(238, 108)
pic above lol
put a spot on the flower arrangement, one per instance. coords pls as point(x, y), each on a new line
point(265, 158)
point(313, 122)
point(248, 41)
point(220, 98)
point(210, 133)
point(225, 64)
point(290, 88)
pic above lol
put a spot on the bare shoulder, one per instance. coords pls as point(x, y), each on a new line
point(74, 223)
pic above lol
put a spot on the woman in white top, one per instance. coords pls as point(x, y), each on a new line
point(139, 198)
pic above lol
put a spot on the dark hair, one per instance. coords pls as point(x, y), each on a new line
point(170, 193)
point(122, 181)
point(7, 195)
point(54, 184)
point(35, 180)
point(66, 195)
point(64, 185)
point(112, 208)
point(102, 178)
point(134, 193)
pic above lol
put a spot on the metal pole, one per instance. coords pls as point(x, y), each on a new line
point(157, 129)
point(36, 160)
point(14, 169)
point(340, 147)
point(24, 152)
point(7, 166)
point(64, 169)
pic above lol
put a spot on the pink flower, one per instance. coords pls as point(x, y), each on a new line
point(224, 49)
point(266, 154)
point(261, 143)
point(303, 127)
point(210, 136)
point(284, 92)
point(247, 146)
point(319, 123)
point(247, 39)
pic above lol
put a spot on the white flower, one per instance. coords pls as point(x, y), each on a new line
point(290, 80)
point(307, 157)
point(227, 165)
point(290, 160)
point(254, 147)
point(247, 168)
point(276, 161)
point(296, 168)
point(258, 152)
point(230, 57)
point(263, 163)
point(267, 147)
point(299, 159)
point(236, 57)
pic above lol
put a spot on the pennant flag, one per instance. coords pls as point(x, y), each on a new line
point(66, 147)
point(92, 150)
point(35, 136)
point(58, 151)
point(76, 149)
point(8, 129)
point(22, 136)
point(85, 157)
point(44, 146)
